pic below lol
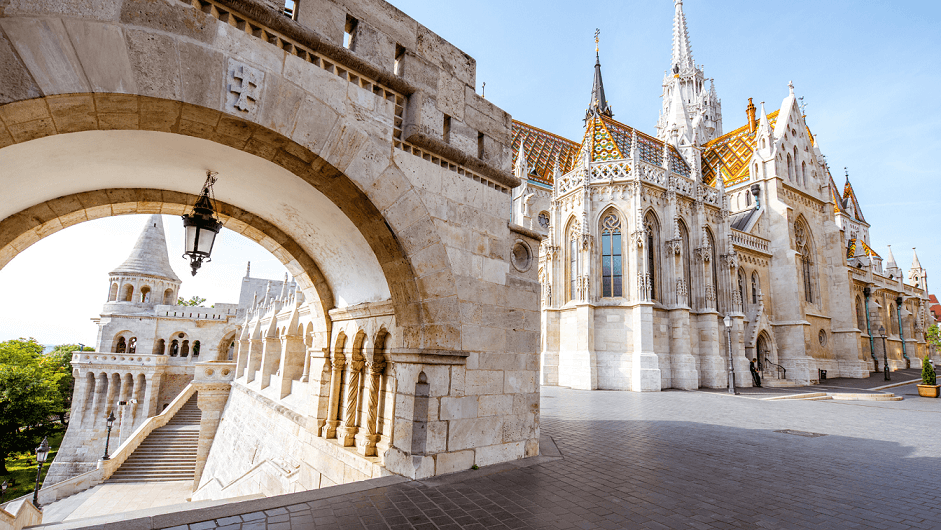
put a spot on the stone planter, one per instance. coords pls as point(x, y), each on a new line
point(928, 390)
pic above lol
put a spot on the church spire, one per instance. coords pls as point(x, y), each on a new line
point(915, 263)
point(682, 51)
point(599, 104)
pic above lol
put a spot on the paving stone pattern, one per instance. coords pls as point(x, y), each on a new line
point(674, 460)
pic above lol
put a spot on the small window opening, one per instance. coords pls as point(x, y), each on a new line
point(174, 348)
point(196, 349)
point(398, 67)
point(290, 9)
point(349, 33)
point(185, 349)
point(132, 345)
point(447, 129)
point(121, 347)
point(480, 145)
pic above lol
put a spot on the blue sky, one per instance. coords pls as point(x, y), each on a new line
point(869, 73)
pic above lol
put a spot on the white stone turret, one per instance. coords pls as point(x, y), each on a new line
point(146, 278)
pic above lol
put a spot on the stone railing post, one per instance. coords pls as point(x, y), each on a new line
point(212, 382)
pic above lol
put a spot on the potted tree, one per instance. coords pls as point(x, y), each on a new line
point(929, 382)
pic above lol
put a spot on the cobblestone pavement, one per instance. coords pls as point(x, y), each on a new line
point(674, 460)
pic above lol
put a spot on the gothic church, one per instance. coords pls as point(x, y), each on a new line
point(673, 259)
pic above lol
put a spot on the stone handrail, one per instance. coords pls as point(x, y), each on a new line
point(750, 242)
point(132, 359)
point(106, 468)
point(19, 513)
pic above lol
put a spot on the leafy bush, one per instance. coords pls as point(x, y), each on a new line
point(928, 376)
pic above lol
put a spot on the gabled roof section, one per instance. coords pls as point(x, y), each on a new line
point(729, 155)
point(866, 249)
point(835, 195)
point(542, 150)
point(850, 195)
point(605, 138)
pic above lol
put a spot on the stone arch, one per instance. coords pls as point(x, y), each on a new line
point(683, 291)
point(765, 349)
point(145, 294)
point(113, 293)
point(127, 292)
point(160, 347)
point(346, 189)
point(168, 297)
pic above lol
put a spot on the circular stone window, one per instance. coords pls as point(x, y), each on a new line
point(822, 337)
point(522, 256)
point(543, 220)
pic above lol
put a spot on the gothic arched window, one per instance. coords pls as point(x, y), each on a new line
point(754, 287)
point(684, 237)
point(790, 168)
point(652, 228)
point(804, 244)
point(572, 269)
point(611, 261)
point(804, 172)
point(860, 315)
point(741, 287)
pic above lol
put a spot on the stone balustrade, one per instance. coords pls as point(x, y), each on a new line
point(122, 359)
point(214, 372)
point(750, 242)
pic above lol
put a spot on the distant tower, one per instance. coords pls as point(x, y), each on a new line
point(145, 279)
point(692, 113)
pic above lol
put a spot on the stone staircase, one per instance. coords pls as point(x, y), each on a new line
point(169, 453)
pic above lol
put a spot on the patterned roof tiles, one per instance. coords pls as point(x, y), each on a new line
point(851, 248)
point(542, 150)
point(849, 194)
point(605, 138)
point(729, 155)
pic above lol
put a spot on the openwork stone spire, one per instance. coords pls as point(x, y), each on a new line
point(682, 51)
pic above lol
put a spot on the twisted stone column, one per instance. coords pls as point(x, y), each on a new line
point(349, 428)
point(333, 413)
point(376, 368)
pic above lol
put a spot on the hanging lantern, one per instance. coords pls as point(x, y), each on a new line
point(201, 226)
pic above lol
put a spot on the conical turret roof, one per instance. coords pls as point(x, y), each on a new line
point(149, 256)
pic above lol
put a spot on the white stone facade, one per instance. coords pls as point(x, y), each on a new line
point(652, 242)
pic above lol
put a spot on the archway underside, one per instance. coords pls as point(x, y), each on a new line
point(29, 120)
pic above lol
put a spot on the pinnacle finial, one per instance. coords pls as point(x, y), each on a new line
point(847, 171)
point(248, 269)
point(790, 86)
point(597, 40)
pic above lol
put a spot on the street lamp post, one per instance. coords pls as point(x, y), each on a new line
point(3, 490)
point(109, 423)
point(885, 354)
point(41, 453)
point(728, 333)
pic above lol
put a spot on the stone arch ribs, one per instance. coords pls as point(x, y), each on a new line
point(376, 196)
point(19, 231)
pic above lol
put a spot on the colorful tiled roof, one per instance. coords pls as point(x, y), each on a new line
point(851, 248)
point(542, 150)
point(835, 194)
point(850, 195)
point(729, 155)
point(605, 138)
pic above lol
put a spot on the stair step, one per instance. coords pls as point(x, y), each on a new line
point(168, 453)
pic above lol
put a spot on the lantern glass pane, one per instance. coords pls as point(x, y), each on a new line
point(206, 239)
point(191, 234)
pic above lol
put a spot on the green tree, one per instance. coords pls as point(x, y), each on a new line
point(29, 395)
point(61, 357)
point(933, 336)
point(194, 301)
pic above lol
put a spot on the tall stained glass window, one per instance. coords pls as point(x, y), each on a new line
point(611, 266)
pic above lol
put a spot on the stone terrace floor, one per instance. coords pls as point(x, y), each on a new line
point(672, 459)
